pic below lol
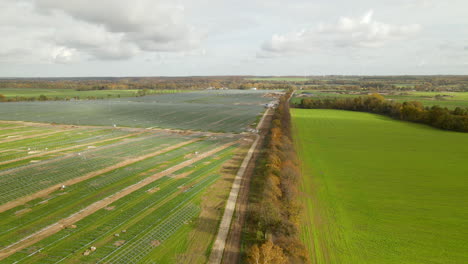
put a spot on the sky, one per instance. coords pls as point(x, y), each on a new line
point(57, 38)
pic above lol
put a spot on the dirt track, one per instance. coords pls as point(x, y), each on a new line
point(232, 247)
point(224, 228)
point(55, 187)
point(54, 228)
point(13, 127)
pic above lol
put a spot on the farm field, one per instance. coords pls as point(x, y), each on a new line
point(450, 100)
point(61, 94)
point(378, 190)
point(132, 193)
point(215, 111)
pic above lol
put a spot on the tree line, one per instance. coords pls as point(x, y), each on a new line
point(272, 228)
point(413, 111)
point(136, 83)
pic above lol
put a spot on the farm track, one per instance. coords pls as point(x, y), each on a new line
point(13, 127)
point(66, 149)
point(34, 136)
point(232, 247)
point(55, 187)
point(54, 228)
point(219, 245)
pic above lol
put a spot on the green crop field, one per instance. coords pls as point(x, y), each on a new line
point(217, 111)
point(450, 100)
point(60, 94)
point(377, 190)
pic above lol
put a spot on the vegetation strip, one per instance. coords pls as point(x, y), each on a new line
point(54, 228)
point(34, 136)
point(50, 189)
point(271, 234)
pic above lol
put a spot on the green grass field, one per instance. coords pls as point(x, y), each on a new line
point(64, 93)
point(377, 190)
point(450, 100)
point(60, 94)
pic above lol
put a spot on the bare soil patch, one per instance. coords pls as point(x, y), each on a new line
point(155, 243)
point(153, 190)
point(119, 243)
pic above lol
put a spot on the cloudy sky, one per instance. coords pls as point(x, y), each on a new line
point(56, 38)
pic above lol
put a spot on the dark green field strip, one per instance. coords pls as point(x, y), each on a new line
point(64, 93)
point(22, 131)
point(80, 195)
point(33, 141)
point(34, 178)
point(134, 213)
point(8, 125)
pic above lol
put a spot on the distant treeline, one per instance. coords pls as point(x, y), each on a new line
point(136, 83)
point(436, 116)
point(272, 229)
point(390, 83)
point(52, 98)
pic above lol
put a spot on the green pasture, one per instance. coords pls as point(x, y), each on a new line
point(64, 93)
point(450, 100)
point(377, 190)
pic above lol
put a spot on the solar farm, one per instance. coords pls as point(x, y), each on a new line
point(139, 180)
point(216, 111)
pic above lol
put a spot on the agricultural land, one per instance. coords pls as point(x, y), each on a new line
point(377, 190)
point(140, 180)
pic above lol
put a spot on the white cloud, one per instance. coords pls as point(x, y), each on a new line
point(63, 55)
point(146, 24)
point(360, 32)
point(45, 31)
